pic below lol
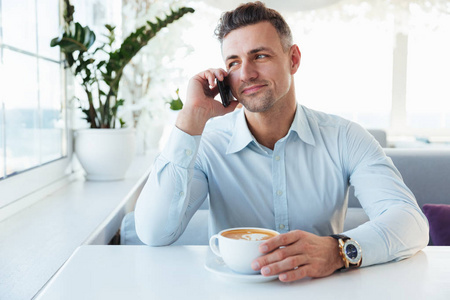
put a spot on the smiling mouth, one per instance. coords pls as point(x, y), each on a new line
point(252, 89)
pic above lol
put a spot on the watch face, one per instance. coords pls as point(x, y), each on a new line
point(352, 251)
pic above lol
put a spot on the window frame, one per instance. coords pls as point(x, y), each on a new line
point(22, 185)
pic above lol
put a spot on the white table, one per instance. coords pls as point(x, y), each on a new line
point(36, 241)
point(177, 272)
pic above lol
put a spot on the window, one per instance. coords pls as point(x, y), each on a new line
point(35, 93)
point(382, 64)
point(33, 129)
point(428, 74)
point(346, 69)
point(33, 124)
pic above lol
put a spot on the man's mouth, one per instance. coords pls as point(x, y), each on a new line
point(252, 89)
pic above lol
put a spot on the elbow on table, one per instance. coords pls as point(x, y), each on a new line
point(154, 242)
point(418, 232)
point(151, 238)
point(424, 232)
point(421, 229)
point(151, 234)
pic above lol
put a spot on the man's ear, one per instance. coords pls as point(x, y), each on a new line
point(295, 57)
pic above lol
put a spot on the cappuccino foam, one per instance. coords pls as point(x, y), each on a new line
point(249, 234)
point(255, 237)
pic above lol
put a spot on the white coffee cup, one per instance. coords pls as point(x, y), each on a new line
point(239, 247)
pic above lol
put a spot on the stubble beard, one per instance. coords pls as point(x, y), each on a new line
point(258, 103)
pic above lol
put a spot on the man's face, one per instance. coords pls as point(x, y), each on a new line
point(260, 73)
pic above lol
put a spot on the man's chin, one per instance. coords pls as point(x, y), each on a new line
point(251, 107)
point(257, 104)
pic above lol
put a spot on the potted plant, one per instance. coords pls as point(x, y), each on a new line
point(100, 79)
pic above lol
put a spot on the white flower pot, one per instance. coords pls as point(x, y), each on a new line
point(105, 154)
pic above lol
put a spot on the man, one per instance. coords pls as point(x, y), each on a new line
point(276, 164)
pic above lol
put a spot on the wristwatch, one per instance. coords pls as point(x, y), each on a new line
point(349, 250)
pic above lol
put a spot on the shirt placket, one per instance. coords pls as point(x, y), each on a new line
point(279, 188)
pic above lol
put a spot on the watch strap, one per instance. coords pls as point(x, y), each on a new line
point(340, 236)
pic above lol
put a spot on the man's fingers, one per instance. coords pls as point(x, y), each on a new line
point(281, 240)
point(279, 254)
point(211, 74)
point(285, 265)
point(296, 274)
point(277, 249)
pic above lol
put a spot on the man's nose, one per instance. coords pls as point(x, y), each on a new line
point(248, 72)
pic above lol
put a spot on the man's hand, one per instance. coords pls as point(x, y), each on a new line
point(302, 254)
point(200, 105)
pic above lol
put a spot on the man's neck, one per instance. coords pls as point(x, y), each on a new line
point(269, 127)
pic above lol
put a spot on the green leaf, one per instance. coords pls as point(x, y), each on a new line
point(80, 40)
point(68, 12)
point(153, 26)
point(110, 27)
point(176, 104)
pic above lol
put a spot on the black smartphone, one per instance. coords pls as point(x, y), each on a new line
point(225, 92)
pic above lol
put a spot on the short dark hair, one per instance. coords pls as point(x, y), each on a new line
point(252, 13)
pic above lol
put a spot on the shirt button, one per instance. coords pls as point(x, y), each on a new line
point(277, 158)
point(279, 192)
point(188, 152)
point(281, 226)
point(181, 194)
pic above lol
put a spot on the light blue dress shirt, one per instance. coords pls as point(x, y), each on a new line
point(301, 184)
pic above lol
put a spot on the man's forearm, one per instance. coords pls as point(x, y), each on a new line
point(396, 234)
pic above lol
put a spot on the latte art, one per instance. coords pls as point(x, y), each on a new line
point(248, 234)
point(255, 237)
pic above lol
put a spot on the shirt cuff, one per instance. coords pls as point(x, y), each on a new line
point(181, 148)
point(372, 244)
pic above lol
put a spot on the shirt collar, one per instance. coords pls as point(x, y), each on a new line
point(302, 126)
point(242, 136)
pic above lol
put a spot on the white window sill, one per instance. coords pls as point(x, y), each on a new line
point(36, 241)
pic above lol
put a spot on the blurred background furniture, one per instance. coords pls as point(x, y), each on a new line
point(380, 135)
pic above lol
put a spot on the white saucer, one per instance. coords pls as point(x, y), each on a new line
point(216, 265)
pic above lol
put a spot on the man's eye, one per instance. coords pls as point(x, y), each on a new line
point(232, 64)
point(259, 56)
